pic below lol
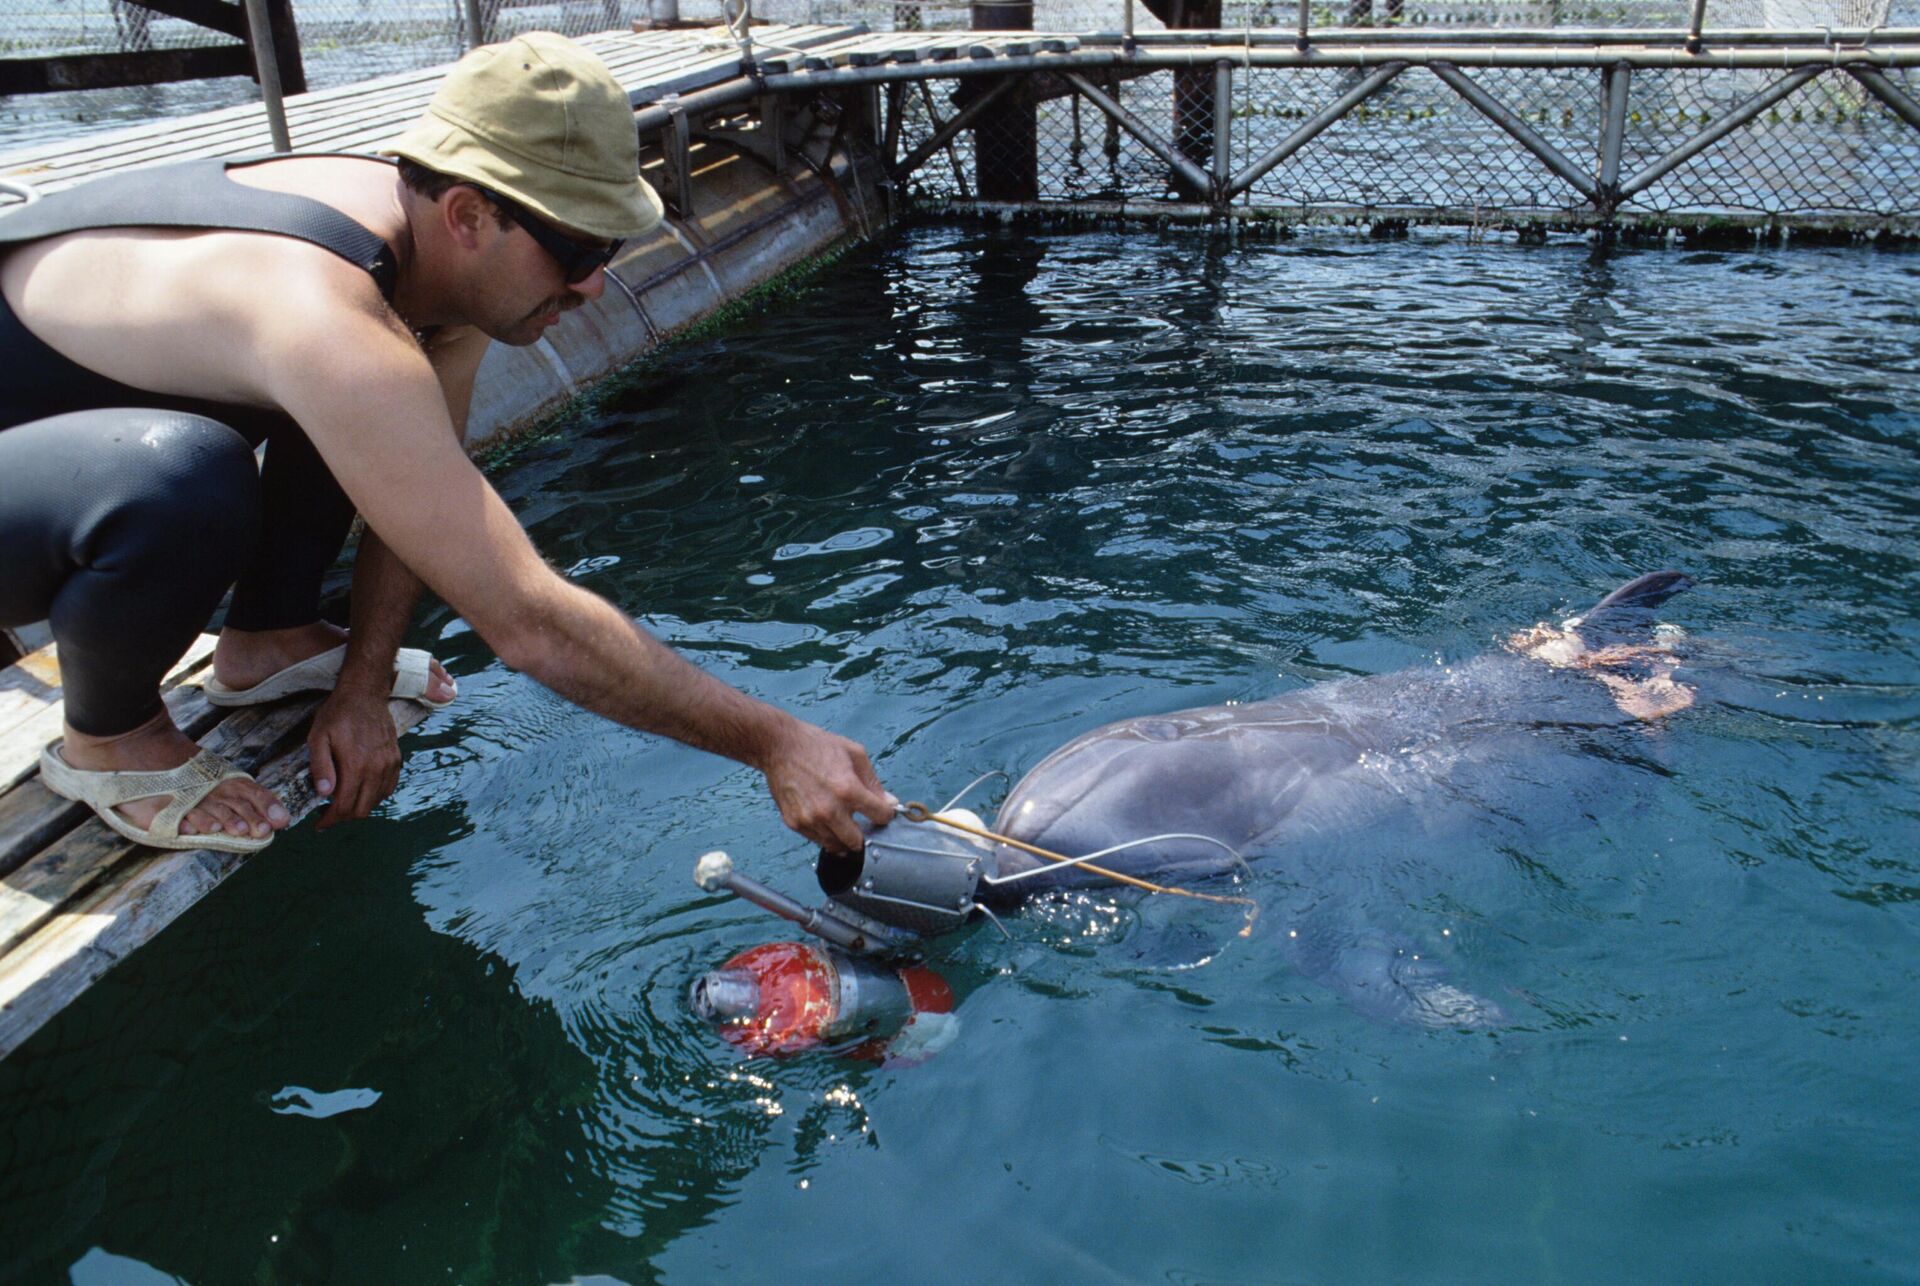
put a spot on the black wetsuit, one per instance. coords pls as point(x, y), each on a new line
point(125, 515)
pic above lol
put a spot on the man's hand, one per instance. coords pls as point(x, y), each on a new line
point(355, 754)
point(820, 781)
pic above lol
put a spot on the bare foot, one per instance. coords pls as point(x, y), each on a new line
point(243, 658)
point(238, 807)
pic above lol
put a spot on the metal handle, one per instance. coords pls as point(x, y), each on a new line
point(714, 872)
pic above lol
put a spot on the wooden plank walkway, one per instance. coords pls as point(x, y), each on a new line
point(651, 65)
point(76, 898)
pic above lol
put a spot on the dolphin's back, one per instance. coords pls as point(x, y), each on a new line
point(1229, 773)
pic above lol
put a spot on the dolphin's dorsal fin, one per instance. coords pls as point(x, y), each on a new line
point(1629, 609)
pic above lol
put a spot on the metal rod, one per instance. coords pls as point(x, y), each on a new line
point(1883, 54)
point(1726, 125)
point(714, 876)
point(896, 103)
point(1523, 133)
point(476, 34)
point(1187, 170)
point(1110, 138)
point(1300, 39)
point(1771, 58)
point(1695, 21)
point(1312, 128)
point(1386, 36)
point(943, 134)
point(1614, 84)
point(266, 66)
point(1899, 102)
point(1126, 23)
point(953, 159)
point(1222, 124)
point(1477, 216)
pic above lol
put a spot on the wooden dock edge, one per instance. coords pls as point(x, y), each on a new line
point(89, 898)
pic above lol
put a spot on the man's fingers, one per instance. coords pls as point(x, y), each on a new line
point(879, 806)
point(847, 837)
point(320, 766)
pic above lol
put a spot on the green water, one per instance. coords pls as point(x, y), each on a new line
point(976, 493)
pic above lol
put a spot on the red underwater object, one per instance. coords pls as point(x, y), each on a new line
point(789, 996)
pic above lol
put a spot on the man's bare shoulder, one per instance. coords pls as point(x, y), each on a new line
point(190, 313)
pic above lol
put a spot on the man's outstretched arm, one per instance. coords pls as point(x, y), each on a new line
point(370, 404)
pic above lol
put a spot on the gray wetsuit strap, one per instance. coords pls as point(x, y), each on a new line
point(198, 194)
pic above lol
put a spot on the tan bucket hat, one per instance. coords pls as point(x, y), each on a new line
point(542, 121)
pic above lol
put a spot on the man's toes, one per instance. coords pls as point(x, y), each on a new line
point(210, 817)
point(440, 685)
point(258, 809)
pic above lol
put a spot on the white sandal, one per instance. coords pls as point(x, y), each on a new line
point(320, 674)
point(186, 786)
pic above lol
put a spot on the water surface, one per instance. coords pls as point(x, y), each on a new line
point(979, 491)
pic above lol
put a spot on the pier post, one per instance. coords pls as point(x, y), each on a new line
point(1614, 87)
point(266, 65)
point(1222, 128)
point(1193, 95)
point(1005, 137)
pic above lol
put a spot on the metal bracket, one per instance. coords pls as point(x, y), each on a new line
point(675, 145)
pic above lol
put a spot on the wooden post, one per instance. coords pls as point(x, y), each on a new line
point(1193, 96)
point(1005, 138)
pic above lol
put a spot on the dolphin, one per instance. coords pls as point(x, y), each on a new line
point(1323, 785)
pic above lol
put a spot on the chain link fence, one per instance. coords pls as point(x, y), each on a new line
point(1829, 148)
point(1417, 149)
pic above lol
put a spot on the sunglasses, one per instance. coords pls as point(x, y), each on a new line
point(577, 260)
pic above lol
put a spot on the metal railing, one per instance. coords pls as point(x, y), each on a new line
point(1762, 128)
point(1406, 113)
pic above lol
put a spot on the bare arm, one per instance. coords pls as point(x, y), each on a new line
point(353, 749)
point(371, 403)
point(385, 591)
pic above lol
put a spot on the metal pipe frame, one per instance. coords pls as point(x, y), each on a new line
point(1615, 84)
point(1594, 57)
point(1312, 128)
point(1385, 37)
point(1713, 133)
point(1603, 190)
point(1524, 134)
point(944, 134)
point(959, 178)
point(266, 67)
point(1759, 223)
point(1482, 52)
point(1696, 19)
point(1897, 100)
point(1192, 174)
point(896, 107)
point(1222, 123)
